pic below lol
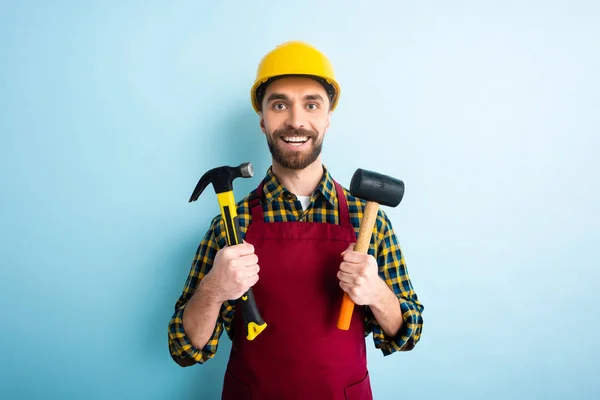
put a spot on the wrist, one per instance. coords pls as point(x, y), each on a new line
point(382, 299)
point(209, 291)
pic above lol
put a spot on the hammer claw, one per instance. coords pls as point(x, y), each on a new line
point(200, 186)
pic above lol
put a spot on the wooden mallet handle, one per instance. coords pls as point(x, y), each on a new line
point(362, 246)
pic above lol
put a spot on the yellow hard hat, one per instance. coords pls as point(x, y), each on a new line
point(295, 58)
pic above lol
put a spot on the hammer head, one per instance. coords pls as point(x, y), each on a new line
point(222, 178)
point(374, 187)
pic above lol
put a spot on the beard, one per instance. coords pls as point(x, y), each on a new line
point(294, 159)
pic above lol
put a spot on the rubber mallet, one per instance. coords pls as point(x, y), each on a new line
point(376, 189)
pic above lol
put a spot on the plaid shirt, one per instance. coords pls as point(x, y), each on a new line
point(280, 205)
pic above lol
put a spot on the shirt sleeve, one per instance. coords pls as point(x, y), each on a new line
point(181, 349)
point(393, 270)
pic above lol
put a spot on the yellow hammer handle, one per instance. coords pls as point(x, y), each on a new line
point(252, 317)
point(362, 246)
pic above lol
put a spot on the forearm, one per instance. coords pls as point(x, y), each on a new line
point(387, 312)
point(200, 315)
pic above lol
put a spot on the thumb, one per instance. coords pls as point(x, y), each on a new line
point(349, 248)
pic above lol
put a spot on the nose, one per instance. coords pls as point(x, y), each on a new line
point(296, 118)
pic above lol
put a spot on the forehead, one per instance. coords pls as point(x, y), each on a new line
point(299, 86)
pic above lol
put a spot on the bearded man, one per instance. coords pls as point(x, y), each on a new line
point(299, 228)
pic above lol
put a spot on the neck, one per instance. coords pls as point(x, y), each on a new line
point(301, 182)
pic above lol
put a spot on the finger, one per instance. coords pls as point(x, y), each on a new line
point(247, 260)
point(355, 257)
point(242, 249)
point(345, 277)
point(251, 281)
point(350, 268)
point(249, 271)
point(346, 287)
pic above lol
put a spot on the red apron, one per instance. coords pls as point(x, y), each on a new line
point(301, 354)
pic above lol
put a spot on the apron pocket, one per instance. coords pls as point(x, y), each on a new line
point(234, 389)
point(360, 390)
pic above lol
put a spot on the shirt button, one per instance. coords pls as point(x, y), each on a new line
point(289, 196)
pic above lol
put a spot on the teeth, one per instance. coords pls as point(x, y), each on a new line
point(296, 139)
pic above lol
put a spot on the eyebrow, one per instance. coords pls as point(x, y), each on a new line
point(314, 97)
point(277, 96)
point(281, 96)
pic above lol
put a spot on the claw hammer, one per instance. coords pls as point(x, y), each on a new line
point(222, 179)
point(376, 189)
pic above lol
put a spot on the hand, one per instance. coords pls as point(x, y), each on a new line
point(359, 277)
point(235, 270)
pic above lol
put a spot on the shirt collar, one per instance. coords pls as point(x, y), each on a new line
point(273, 189)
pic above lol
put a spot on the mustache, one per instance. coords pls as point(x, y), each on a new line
point(295, 132)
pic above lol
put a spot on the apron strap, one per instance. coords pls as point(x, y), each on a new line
point(343, 207)
point(256, 206)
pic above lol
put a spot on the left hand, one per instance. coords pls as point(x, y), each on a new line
point(359, 277)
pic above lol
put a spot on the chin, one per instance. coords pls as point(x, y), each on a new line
point(294, 160)
point(295, 163)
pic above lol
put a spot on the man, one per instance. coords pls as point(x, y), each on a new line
point(299, 228)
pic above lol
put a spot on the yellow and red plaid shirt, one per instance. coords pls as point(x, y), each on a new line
point(279, 205)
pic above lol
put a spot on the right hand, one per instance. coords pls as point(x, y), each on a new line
point(235, 270)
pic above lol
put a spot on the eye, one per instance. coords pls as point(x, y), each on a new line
point(278, 106)
point(312, 106)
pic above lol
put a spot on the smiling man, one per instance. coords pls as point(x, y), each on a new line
point(299, 228)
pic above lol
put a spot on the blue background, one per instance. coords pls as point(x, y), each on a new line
point(111, 111)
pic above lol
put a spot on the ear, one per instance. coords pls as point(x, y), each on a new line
point(262, 123)
point(328, 121)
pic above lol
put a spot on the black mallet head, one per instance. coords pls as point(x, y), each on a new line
point(375, 187)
